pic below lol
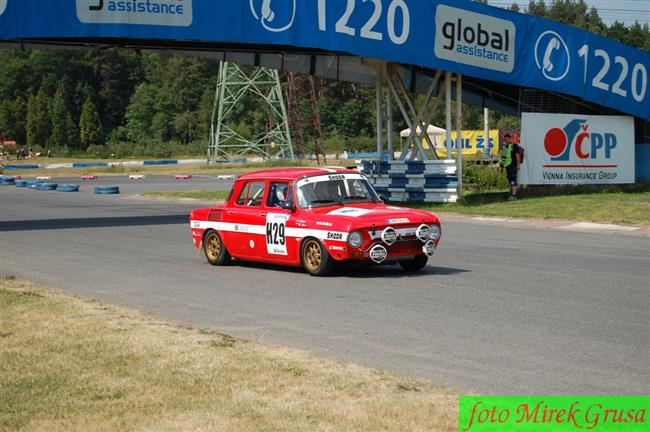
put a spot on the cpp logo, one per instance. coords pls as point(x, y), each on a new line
point(3, 6)
point(552, 56)
point(576, 138)
point(275, 16)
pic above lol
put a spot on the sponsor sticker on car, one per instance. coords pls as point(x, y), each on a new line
point(276, 228)
point(349, 211)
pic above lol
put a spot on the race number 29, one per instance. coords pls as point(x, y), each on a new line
point(275, 234)
point(276, 240)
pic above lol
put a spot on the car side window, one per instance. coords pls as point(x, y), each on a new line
point(251, 194)
point(279, 194)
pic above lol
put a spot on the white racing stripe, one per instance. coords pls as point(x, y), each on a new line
point(261, 230)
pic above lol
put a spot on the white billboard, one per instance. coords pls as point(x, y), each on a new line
point(475, 39)
point(577, 149)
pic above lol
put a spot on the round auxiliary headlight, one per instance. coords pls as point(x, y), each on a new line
point(435, 232)
point(423, 232)
point(389, 236)
point(378, 253)
point(355, 239)
point(429, 248)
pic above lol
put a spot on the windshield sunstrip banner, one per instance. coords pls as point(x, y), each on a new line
point(455, 35)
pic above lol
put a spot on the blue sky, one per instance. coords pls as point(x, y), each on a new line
point(626, 11)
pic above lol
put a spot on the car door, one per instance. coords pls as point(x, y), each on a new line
point(277, 218)
point(246, 216)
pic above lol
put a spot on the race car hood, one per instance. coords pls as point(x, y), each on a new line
point(366, 214)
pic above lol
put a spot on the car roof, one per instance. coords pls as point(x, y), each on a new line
point(294, 173)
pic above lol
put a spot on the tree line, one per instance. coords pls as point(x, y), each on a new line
point(130, 103)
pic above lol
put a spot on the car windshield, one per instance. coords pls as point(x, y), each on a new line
point(335, 189)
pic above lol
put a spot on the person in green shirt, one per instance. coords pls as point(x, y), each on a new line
point(510, 160)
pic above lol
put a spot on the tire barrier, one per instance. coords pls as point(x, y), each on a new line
point(17, 167)
point(136, 177)
point(183, 177)
point(89, 164)
point(88, 177)
point(68, 188)
point(17, 177)
point(230, 161)
point(31, 184)
point(413, 181)
point(8, 181)
point(107, 190)
point(161, 162)
point(46, 186)
point(21, 183)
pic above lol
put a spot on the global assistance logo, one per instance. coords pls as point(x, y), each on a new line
point(177, 13)
point(578, 142)
point(3, 6)
point(475, 39)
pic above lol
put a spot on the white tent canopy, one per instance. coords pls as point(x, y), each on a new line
point(431, 131)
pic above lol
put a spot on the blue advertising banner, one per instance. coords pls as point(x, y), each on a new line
point(456, 35)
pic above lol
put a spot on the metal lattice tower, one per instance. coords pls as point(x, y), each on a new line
point(233, 85)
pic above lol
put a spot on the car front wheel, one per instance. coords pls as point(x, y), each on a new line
point(315, 259)
point(416, 263)
point(214, 249)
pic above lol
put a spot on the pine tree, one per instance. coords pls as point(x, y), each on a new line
point(90, 127)
point(64, 129)
point(74, 141)
point(39, 125)
point(60, 118)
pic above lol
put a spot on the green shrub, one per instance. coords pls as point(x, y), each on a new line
point(484, 178)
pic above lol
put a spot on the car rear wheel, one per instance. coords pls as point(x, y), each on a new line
point(315, 259)
point(214, 249)
point(416, 263)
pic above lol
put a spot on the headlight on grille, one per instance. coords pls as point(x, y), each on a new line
point(423, 232)
point(389, 236)
point(435, 232)
point(355, 239)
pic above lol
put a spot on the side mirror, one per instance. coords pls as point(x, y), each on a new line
point(287, 205)
point(383, 197)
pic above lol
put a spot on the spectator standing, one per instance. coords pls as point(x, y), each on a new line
point(510, 161)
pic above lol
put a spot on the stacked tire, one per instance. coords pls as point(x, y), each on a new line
point(68, 188)
point(107, 190)
point(46, 186)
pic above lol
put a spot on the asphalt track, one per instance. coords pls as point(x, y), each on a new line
point(499, 310)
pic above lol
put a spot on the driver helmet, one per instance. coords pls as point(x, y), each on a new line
point(281, 192)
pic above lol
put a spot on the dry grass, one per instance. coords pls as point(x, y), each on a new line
point(70, 364)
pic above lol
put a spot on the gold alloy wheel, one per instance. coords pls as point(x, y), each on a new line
point(313, 256)
point(214, 247)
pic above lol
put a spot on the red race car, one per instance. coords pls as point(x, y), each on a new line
point(312, 217)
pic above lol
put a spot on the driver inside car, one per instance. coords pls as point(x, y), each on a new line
point(279, 195)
